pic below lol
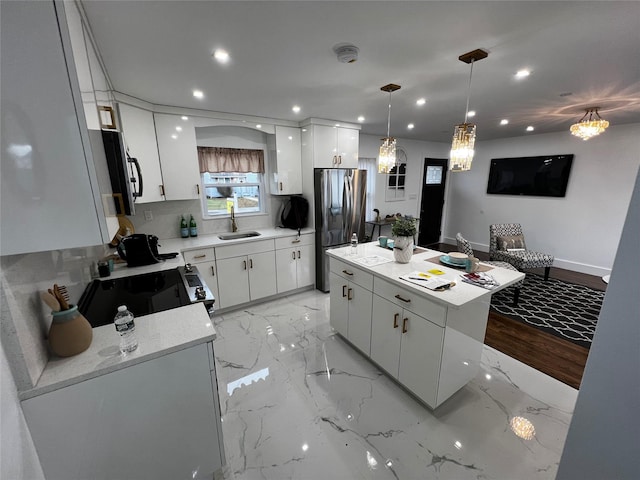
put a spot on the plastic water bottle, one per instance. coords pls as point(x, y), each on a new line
point(354, 244)
point(126, 327)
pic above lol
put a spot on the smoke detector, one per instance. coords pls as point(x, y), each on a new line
point(346, 52)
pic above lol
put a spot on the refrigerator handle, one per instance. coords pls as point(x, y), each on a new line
point(348, 202)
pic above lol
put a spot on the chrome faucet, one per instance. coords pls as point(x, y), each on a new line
point(234, 226)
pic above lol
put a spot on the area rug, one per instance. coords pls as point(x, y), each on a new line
point(562, 309)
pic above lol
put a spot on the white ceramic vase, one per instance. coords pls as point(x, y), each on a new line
point(403, 249)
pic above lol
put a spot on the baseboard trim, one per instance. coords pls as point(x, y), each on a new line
point(558, 262)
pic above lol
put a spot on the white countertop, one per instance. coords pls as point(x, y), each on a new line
point(455, 296)
point(158, 334)
point(181, 245)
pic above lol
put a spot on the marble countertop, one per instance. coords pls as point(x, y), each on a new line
point(455, 296)
point(182, 245)
point(158, 334)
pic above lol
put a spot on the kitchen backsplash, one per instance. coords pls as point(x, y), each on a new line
point(166, 218)
point(25, 319)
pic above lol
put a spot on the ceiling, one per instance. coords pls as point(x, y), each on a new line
point(580, 54)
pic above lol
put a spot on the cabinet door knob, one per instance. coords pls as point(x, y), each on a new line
point(198, 188)
point(343, 292)
point(213, 273)
point(293, 255)
point(349, 297)
point(395, 320)
point(405, 300)
point(298, 254)
point(340, 159)
point(404, 324)
point(280, 186)
point(244, 264)
point(251, 263)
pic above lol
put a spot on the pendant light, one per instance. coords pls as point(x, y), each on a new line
point(387, 155)
point(464, 134)
point(590, 125)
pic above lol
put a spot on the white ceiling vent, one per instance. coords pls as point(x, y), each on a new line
point(346, 53)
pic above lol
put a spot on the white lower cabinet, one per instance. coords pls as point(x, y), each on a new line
point(159, 419)
point(350, 304)
point(408, 347)
point(295, 262)
point(243, 278)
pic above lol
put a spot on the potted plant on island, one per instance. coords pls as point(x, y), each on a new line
point(403, 231)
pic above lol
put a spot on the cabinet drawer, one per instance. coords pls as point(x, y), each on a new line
point(245, 248)
point(200, 255)
point(411, 301)
point(294, 241)
point(353, 274)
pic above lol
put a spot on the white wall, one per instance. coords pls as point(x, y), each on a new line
point(604, 439)
point(581, 230)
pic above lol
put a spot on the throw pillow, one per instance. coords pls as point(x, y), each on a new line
point(510, 242)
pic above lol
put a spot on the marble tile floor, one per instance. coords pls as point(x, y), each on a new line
point(298, 402)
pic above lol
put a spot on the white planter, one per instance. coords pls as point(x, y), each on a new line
point(403, 249)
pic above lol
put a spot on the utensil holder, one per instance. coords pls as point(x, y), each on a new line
point(70, 333)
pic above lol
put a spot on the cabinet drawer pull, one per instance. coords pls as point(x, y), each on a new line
point(297, 240)
point(404, 324)
point(347, 272)
point(213, 273)
point(298, 254)
point(198, 188)
point(293, 255)
point(405, 300)
point(343, 292)
point(349, 297)
point(244, 264)
point(395, 320)
point(251, 263)
point(204, 255)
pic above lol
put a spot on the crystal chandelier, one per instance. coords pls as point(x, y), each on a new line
point(387, 155)
point(464, 134)
point(590, 125)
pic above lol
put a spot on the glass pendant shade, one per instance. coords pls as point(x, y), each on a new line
point(590, 125)
point(387, 155)
point(461, 155)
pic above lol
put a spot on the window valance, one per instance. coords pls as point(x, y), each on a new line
point(218, 159)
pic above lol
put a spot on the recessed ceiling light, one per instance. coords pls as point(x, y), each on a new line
point(471, 113)
point(258, 126)
point(337, 125)
point(174, 136)
point(504, 121)
point(296, 109)
point(530, 128)
point(198, 93)
point(184, 117)
point(221, 55)
point(361, 119)
point(410, 126)
point(178, 129)
point(522, 73)
point(421, 101)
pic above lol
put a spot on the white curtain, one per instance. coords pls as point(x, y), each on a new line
point(371, 166)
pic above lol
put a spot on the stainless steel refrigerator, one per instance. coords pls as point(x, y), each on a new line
point(340, 198)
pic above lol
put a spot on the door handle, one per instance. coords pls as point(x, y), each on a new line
point(213, 273)
point(161, 189)
point(244, 264)
point(395, 320)
point(343, 292)
point(293, 255)
point(251, 263)
point(403, 299)
point(298, 254)
point(280, 186)
point(349, 297)
point(404, 324)
point(198, 188)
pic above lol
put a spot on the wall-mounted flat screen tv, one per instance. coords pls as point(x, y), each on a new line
point(545, 176)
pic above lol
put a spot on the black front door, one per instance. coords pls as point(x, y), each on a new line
point(433, 182)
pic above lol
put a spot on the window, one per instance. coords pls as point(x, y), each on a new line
point(232, 177)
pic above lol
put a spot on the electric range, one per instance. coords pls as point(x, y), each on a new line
point(144, 294)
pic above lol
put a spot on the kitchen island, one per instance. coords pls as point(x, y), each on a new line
point(151, 413)
point(428, 341)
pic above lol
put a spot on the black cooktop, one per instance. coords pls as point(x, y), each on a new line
point(142, 294)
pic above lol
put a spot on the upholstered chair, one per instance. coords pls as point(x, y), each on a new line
point(506, 244)
point(465, 247)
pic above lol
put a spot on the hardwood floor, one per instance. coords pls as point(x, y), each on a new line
point(558, 358)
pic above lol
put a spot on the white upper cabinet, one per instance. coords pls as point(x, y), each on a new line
point(285, 163)
point(333, 146)
point(178, 151)
point(49, 195)
point(140, 140)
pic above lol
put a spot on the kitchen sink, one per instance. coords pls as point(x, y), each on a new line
point(235, 236)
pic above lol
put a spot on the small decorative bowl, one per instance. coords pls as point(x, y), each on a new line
point(458, 258)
